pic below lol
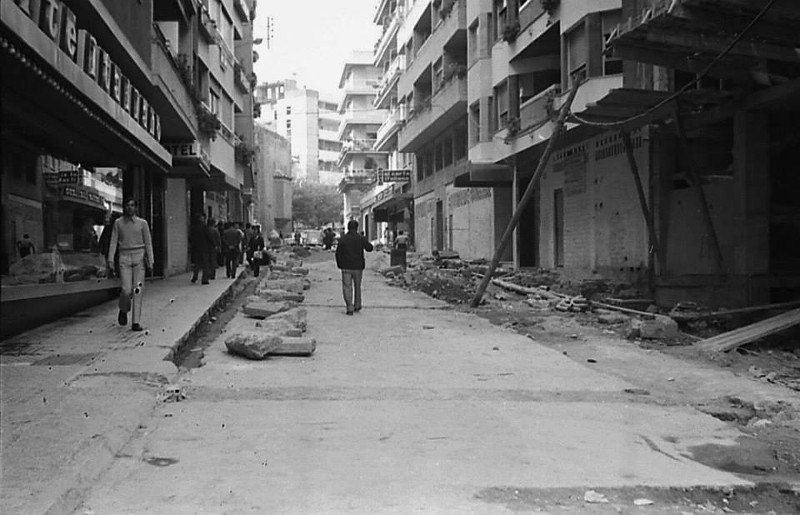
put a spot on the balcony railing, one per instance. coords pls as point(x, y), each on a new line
point(393, 122)
point(389, 31)
point(207, 26)
point(538, 109)
point(240, 77)
point(392, 73)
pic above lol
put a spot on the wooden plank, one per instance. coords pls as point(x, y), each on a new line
point(750, 333)
point(689, 315)
point(527, 291)
point(628, 311)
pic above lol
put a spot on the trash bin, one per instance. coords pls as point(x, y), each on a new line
point(397, 257)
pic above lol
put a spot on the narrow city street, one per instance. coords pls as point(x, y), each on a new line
point(411, 406)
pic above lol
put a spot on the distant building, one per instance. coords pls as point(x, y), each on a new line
point(358, 131)
point(273, 182)
point(308, 122)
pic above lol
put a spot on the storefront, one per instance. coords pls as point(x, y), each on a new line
point(79, 133)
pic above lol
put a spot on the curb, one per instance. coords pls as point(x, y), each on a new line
point(100, 454)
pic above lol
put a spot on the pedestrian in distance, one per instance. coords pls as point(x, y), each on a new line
point(231, 243)
point(249, 234)
point(216, 248)
point(200, 245)
point(257, 252)
point(350, 260)
point(25, 246)
point(401, 242)
point(328, 238)
point(131, 235)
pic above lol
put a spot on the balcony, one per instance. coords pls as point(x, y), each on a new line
point(180, 121)
point(207, 26)
point(357, 179)
point(537, 110)
point(356, 146)
point(444, 31)
point(393, 123)
point(240, 77)
point(390, 79)
point(242, 9)
point(446, 106)
point(357, 117)
point(388, 36)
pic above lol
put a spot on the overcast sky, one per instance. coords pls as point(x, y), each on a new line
point(312, 39)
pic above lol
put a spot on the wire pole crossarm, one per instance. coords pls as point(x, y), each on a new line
point(515, 218)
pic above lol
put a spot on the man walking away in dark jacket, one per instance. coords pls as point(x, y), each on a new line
point(231, 242)
point(350, 259)
point(216, 248)
point(200, 245)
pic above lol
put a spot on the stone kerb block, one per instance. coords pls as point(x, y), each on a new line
point(280, 327)
point(252, 345)
point(280, 295)
point(292, 285)
point(263, 308)
point(299, 271)
point(298, 317)
point(295, 347)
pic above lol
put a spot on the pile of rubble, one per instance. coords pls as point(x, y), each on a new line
point(278, 321)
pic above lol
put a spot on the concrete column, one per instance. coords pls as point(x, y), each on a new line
point(513, 96)
point(751, 192)
point(594, 37)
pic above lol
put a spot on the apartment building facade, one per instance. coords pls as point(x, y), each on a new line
point(358, 160)
point(309, 122)
point(273, 182)
point(105, 103)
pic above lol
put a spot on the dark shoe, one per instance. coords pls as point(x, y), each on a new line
point(194, 279)
point(122, 318)
point(357, 310)
point(136, 327)
point(204, 282)
point(350, 313)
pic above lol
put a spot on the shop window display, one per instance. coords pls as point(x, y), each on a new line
point(76, 205)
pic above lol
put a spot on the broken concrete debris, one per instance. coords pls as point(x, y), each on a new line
point(658, 328)
point(252, 345)
point(274, 295)
point(263, 308)
point(593, 497)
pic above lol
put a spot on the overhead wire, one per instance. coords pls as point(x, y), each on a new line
point(686, 86)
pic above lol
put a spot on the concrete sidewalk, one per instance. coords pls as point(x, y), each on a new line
point(76, 390)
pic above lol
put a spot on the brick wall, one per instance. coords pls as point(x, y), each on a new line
point(177, 207)
point(604, 228)
point(473, 221)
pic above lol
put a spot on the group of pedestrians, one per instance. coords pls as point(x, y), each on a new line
point(215, 244)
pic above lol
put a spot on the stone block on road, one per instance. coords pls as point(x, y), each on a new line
point(292, 285)
point(263, 308)
point(295, 347)
point(659, 328)
point(280, 295)
point(279, 327)
point(252, 345)
point(297, 317)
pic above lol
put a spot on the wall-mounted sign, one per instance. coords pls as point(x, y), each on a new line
point(393, 175)
point(189, 153)
point(59, 23)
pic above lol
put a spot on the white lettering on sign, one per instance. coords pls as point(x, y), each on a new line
point(49, 21)
point(69, 33)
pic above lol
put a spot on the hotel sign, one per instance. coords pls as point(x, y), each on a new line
point(59, 23)
point(189, 153)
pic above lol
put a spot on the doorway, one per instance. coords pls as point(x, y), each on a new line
point(439, 225)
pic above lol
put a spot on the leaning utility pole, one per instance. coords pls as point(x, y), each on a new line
point(548, 151)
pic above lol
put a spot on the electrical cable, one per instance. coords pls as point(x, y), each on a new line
point(686, 86)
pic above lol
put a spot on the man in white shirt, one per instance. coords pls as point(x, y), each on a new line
point(132, 235)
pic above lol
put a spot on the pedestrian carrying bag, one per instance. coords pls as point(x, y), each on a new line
point(258, 254)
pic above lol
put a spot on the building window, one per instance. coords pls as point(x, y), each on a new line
point(501, 105)
point(213, 101)
point(448, 151)
point(460, 141)
point(475, 123)
point(473, 47)
point(609, 20)
point(288, 110)
point(577, 50)
point(500, 13)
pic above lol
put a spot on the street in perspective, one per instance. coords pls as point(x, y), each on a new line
point(400, 256)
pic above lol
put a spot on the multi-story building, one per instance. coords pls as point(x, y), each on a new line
point(484, 80)
point(273, 182)
point(110, 100)
point(391, 202)
point(359, 161)
point(307, 121)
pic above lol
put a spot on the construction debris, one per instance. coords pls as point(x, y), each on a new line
point(252, 345)
point(274, 295)
point(750, 333)
point(295, 347)
point(263, 308)
point(659, 327)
